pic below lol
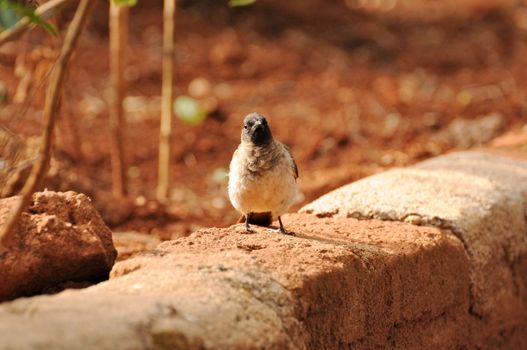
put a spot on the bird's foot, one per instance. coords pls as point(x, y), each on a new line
point(248, 228)
point(245, 230)
point(285, 232)
point(282, 228)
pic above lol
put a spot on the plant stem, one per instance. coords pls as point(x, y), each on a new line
point(118, 39)
point(50, 112)
point(165, 133)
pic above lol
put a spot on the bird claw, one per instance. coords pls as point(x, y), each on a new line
point(285, 232)
point(244, 230)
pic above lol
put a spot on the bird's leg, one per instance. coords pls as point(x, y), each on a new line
point(282, 228)
point(248, 228)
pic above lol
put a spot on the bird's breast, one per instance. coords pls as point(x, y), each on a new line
point(272, 187)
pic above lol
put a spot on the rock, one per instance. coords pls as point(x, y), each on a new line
point(511, 140)
point(339, 282)
point(465, 133)
point(482, 198)
point(60, 238)
point(131, 243)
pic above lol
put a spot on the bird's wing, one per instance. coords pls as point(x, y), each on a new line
point(295, 167)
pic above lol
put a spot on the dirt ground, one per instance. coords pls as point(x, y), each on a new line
point(351, 93)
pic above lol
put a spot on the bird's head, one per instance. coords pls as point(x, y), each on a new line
point(256, 130)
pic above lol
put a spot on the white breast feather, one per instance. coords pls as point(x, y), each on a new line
point(273, 191)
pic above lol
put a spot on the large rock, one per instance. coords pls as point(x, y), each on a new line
point(339, 283)
point(482, 198)
point(60, 238)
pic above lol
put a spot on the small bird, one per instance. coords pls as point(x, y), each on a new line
point(262, 175)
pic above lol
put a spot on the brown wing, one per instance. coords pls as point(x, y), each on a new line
point(295, 167)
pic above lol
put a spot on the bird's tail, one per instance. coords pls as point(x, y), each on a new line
point(259, 219)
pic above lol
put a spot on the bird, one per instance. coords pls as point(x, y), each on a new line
point(262, 175)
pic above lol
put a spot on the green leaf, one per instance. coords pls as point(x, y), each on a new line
point(125, 2)
point(14, 11)
point(36, 19)
point(235, 3)
point(8, 16)
point(189, 110)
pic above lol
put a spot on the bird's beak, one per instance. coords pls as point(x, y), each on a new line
point(258, 125)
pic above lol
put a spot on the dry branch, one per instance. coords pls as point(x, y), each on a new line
point(165, 134)
point(11, 149)
point(50, 112)
point(118, 39)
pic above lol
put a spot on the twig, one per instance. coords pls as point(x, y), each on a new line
point(118, 39)
point(165, 134)
point(45, 11)
point(50, 111)
point(11, 146)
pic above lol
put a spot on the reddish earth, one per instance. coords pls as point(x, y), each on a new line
point(352, 94)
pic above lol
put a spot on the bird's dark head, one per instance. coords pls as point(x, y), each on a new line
point(256, 130)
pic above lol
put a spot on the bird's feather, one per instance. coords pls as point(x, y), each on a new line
point(295, 167)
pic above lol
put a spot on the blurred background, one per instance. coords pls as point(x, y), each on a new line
point(354, 87)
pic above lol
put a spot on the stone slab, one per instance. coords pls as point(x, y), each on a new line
point(340, 282)
point(481, 197)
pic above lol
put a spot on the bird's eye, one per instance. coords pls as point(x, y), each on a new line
point(247, 126)
point(264, 122)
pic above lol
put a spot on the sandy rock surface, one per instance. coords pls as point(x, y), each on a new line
point(339, 282)
point(482, 198)
point(131, 243)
